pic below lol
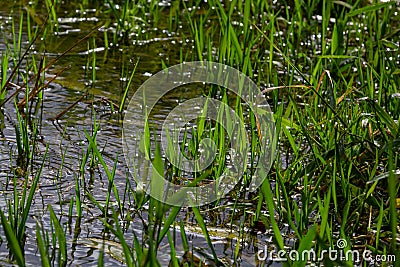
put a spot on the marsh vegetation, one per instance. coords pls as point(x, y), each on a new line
point(328, 69)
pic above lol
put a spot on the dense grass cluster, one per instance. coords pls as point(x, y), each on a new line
point(330, 71)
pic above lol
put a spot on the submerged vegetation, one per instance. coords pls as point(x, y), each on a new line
point(329, 70)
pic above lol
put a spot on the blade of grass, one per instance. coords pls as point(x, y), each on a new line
point(167, 224)
point(370, 8)
point(110, 176)
point(203, 227)
point(42, 248)
point(15, 248)
point(305, 246)
point(59, 232)
point(121, 106)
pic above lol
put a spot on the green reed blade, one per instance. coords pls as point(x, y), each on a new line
point(59, 232)
point(78, 204)
point(203, 227)
point(118, 232)
point(13, 243)
point(385, 118)
point(168, 222)
point(174, 261)
point(268, 196)
point(306, 243)
point(110, 176)
point(185, 243)
point(370, 8)
point(393, 189)
point(42, 248)
point(27, 204)
point(121, 106)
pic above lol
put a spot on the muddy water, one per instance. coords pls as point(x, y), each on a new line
point(66, 140)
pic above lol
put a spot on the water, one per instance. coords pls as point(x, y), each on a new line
point(66, 139)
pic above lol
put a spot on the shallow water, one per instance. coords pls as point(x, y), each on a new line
point(67, 143)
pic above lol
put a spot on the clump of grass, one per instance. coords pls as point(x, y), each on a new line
point(18, 209)
point(51, 10)
point(333, 169)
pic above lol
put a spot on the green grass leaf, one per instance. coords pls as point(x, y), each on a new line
point(203, 227)
point(370, 8)
point(59, 231)
point(13, 243)
point(306, 243)
point(42, 248)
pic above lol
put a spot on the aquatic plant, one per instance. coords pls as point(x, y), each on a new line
point(331, 80)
